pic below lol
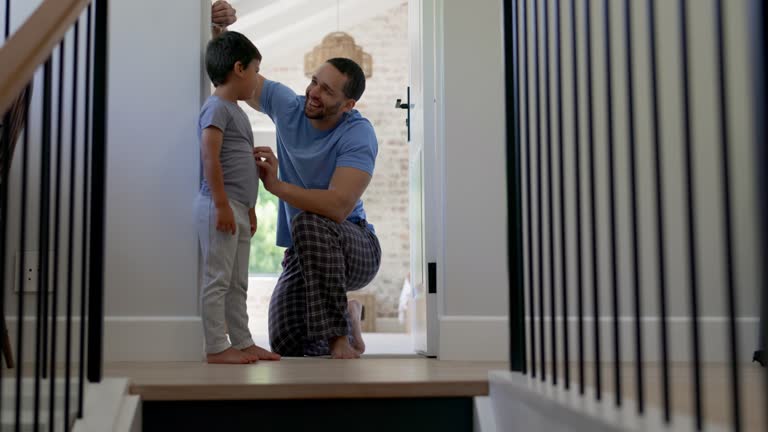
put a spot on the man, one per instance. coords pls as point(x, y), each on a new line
point(222, 15)
point(327, 152)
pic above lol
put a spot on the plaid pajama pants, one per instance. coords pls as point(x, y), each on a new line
point(309, 304)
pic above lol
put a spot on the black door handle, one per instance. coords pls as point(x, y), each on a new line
point(406, 106)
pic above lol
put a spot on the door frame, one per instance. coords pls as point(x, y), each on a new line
point(433, 165)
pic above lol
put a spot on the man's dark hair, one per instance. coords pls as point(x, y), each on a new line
point(355, 85)
point(224, 51)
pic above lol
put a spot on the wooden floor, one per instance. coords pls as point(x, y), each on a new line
point(305, 378)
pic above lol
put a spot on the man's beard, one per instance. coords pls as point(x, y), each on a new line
point(323, 114)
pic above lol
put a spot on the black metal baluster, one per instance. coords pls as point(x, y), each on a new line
point(529, 199)
point(42, 260)
point(6, 161)
point(633, 210)
point(691, 216)
point(56, 239)
point(758, 36)
point(22, 265)
point(71, 234)
point(84, 246)
point(593, 200)
point(727, 217)
point(730, 289)
point(563, 231)
point(660, 231)
point(3, 234)
point(539, 206)
point(516, 297)
point(6, 156)
point(577, 168)
point(519, 188)
point(98, 197)
point(612, 201)
point(7, 19)
point(551, 214)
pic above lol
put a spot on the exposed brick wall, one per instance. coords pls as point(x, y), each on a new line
point(386, 200)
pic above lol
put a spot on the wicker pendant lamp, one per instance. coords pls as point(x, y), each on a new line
point(337, 44)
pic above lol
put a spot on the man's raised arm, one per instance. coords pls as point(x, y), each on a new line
point(254, 100)
point(222, 16)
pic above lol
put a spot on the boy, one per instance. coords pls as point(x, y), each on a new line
point(224, 208)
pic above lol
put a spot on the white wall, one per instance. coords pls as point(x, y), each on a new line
point(151, 261)
point(153, 158)
point(153, 173)
point(473, 323)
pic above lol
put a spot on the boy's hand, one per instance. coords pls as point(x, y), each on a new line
point(254, 222)
point(225, 219)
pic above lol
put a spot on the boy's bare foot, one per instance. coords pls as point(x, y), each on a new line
point(261, 353)
point(341, 349)
point(229, 356)
point(355, 315)
point(252, 358)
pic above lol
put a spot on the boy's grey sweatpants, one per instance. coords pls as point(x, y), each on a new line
point(225, 277)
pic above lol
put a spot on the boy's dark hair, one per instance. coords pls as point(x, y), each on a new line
point(355, 85)
point(224, 51)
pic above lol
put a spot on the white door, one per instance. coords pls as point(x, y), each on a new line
point(420, 101)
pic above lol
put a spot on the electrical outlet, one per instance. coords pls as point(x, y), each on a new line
point(31, 271)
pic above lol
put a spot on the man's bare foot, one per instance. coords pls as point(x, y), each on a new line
point(341, 349)
point(355, 315)
point(261, 353)
point(229, 356)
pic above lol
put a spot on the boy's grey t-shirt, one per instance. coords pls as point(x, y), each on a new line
point(241, 176)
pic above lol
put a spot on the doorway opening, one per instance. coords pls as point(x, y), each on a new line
point(284, 32)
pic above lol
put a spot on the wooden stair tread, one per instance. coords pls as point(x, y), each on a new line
point(296, 378)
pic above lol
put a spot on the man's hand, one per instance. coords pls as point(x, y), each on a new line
point(225, 219)
point(222, 16)
point(267, 163)
point(254, 222)
point(336, 203)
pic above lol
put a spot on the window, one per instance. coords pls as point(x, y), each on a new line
point(266, 257)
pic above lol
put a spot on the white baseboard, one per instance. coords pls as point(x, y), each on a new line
point(153, 338)
point(481, 338)
point(474, 338)
point(713, 335)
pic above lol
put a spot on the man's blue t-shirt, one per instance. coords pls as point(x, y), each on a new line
point(308, 156)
